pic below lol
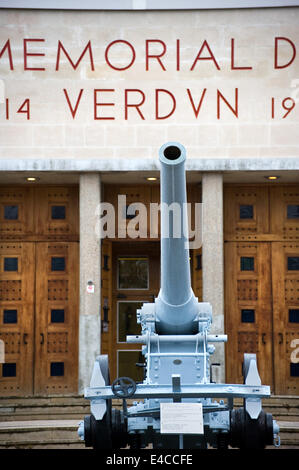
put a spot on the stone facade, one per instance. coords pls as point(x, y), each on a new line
point(100, 91)
point(239, 48)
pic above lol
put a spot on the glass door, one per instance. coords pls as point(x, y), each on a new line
point(135, 281)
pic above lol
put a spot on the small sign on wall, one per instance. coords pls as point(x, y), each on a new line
point(90, 287)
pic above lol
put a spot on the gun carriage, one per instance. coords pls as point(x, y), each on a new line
point(177, 345)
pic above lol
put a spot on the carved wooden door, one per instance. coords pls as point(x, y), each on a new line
point(39, 289)
point(262, 298)
point(17, 287)
point(56, 344)
point(285, 281)
point(248, 308)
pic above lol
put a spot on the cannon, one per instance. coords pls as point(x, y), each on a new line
point(177, 405)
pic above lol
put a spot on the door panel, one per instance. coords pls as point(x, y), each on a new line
point(284, 202)
point(17, 287)
point(135, 280)
point(285, 281)
point(248, 308)
point(132, 194)
point(16, 213)
point(56, 318)
point(246, 213)
point(128, 355)
point(57, 213)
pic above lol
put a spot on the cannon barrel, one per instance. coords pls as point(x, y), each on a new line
point(176, 305)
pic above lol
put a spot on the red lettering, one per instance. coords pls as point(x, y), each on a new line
point(276, 65)
point(124, 42)
point(127, 105)
point(154, 56)
point(220, 95)
point(286, 107)
point(96, 104)
point(272, 108)
point(73, 110)
point(7, 46)
point(27, 54)
point(178, 54)
point(74, 65)
point(25, 108)
point(7, 108)
point(211, 57)
point(233, 66)
point(196, 110)
point(158, 91)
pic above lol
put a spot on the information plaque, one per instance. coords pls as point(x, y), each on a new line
point(181, 418)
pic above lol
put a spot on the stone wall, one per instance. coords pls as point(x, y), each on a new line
point(198, 55)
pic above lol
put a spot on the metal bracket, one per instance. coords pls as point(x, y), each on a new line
point(99, 378)
point(176, 387)
point(187, 391)
point(253, 405)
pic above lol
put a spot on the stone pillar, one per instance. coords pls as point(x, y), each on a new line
point(213, 262)
point(90, 270)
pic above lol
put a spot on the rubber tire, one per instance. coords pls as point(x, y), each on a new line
point(247, 433)
point(119, 429)
point(101, 433)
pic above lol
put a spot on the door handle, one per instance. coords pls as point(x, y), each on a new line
point(281, 338)
point(42, 339)
point(263, 338)
point(25, 338)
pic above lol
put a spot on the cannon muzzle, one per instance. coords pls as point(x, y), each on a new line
point(176, 305)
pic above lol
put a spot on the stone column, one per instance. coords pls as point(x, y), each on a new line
point(213, 262)
point(90, 270)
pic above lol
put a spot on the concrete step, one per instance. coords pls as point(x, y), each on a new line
point(43, 408)
point(40, 434)
point(62, 434)
point(283, 408)
point(289, 434)
point(52, 422)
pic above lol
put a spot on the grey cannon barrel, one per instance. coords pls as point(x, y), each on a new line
point(176, 306)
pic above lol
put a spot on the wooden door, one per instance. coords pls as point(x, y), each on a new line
point(38, 305)
point(284, 201)
point(266, 217)
point(17, 287)
point(136, 280)
point(56, 345)
point(285, 282)
point(248, 310)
